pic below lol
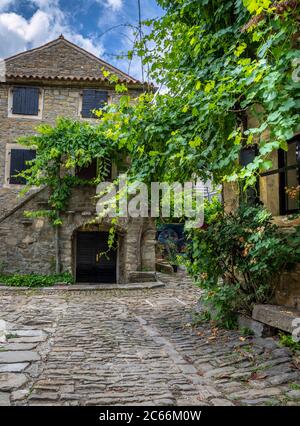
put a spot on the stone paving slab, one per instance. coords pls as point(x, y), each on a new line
point(13, 368)
point(120, 347)
point(13, 357)
point(10, 381)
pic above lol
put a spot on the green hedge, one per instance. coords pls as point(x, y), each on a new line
point(34, 280)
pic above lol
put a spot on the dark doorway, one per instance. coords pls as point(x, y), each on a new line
point(92, 265)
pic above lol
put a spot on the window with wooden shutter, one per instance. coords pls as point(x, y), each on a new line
point(287, 177)
point(18, 163)
point(93, 99)
point(25, 100)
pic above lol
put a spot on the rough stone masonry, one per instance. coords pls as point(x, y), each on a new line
point(61, 71)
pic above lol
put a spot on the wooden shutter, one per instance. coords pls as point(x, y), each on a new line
point(25, 100)
point(93, 99)
point(18, 163)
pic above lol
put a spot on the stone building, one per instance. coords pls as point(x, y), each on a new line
point(36, 86)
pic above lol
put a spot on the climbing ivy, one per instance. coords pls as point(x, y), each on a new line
point(218, 63)
point(61, 149)
point(221, 62)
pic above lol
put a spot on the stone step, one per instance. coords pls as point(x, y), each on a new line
point(164, 268)
point(280, 317)
point(142, 277)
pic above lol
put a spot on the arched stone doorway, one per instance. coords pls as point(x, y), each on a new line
point(134, 253)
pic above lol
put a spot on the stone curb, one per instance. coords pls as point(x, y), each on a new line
point(90, 287)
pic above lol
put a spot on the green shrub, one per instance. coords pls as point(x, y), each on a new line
point(245, 331)
point(34, 280)
point(295, 386)
point(288, 341)
point(236, 259)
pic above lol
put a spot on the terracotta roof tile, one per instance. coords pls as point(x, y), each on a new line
point(67, 78)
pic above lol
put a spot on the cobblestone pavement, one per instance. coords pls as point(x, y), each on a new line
point(134, 348)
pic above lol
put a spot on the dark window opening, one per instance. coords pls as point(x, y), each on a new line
point(91, 100)
point(25, 100)
point(251, 195)
point(289, 176)
point(91, 171)
point(87, 172)
point(18, 163)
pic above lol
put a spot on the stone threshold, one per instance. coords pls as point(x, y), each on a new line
point(88, 287)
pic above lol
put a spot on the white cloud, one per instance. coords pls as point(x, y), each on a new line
point(115, 4)
point(112, 4)
point(86, 43)
point(27, 30)
point(5, 4)
point(18, 34)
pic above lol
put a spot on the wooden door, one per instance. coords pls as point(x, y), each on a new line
point(92, 265)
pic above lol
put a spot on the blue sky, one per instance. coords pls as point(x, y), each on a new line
point(25, 24)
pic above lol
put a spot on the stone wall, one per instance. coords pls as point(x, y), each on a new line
point(29, 245)
point(57, 101)
point(288, 287)
point(148, 245)
point(58, 58)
